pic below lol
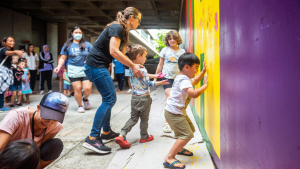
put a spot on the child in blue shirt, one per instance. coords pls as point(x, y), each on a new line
point(141, 100)
point(119, 71)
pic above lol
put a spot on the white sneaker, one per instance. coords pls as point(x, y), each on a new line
point(42, 92)
point(80, 110)
point(50, 91)
point(129, 91)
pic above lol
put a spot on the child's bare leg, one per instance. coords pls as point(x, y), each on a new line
point(19, 96)
point(13, 95)
point(27, 99)
point(7, 99)
point(65, 92)
point(60, 84)
point(178, 145)
point(69, 92)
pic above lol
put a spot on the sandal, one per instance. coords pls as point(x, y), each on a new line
point(182, 152)
point(172, 165)
point(148, 138)
point(167, 128)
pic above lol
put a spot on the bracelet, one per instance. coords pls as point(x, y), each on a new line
point(59, 66)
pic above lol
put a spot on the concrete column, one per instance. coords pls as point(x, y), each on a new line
point(62, 35)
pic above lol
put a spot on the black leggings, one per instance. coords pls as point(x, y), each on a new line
point(46, 75)
point(32, 78)
point(120, 78)
point(51, 149)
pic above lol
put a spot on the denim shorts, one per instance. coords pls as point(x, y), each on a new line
point(15, 88)
point(67, 87)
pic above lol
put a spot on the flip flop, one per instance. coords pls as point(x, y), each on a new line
point(172, 165)
point(183, 151)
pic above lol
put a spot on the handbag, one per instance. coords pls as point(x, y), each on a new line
point(76, 71)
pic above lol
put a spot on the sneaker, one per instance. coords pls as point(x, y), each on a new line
point(96, 145)
point(5, 109)
point(11, 105)
point(122, 142)
point(149, 138)
point(86, 104)
point(42, 92)
point(129, 91)
point(50, 91)
point(80, 110)
point(19, 104)
point(109, 137)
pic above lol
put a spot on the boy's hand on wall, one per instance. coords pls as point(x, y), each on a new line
point(204, 67)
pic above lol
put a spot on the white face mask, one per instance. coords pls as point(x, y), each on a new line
point(77, 36)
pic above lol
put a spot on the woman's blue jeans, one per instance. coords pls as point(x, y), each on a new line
point(104, 84)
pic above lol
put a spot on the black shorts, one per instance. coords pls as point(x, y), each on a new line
point(78, 79)
point(51, 149)
point(171, 81)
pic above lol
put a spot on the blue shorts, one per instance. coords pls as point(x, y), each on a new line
point(67, 87)
point(15, 88)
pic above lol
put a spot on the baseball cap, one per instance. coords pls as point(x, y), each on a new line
point(53, 106)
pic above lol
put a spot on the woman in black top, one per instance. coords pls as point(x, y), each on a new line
point(111, 44)
point(6, 52)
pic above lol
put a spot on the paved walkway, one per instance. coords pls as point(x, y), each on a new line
point(140, 156)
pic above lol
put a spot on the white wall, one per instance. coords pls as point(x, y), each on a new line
point(52, 42)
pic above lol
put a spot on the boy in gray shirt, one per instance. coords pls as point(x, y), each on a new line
point(141, 100)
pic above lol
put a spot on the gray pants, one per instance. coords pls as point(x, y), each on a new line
point(140, 108)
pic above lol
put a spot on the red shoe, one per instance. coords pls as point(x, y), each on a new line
point(122, 142)
point(149, 138)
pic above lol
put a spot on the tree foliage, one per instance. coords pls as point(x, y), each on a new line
point(160, 44)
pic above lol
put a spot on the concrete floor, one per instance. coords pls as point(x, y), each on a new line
point(149, 155)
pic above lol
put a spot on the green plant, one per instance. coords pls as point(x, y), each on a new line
point(160, 41)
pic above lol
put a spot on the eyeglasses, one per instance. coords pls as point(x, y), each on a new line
point(137, 18)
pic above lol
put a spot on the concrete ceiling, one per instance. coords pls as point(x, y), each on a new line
point(93, 15)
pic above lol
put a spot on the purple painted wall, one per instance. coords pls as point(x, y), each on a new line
point(260, 84)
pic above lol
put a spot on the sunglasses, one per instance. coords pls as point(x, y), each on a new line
point(137, 18)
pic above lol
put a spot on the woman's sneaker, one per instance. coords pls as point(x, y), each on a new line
point(96, 145)
point(86, 104)
point(122, 142)
point(149, 138)
point(80, 110)
point(109, 137)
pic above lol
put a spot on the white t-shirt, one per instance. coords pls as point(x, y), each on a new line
point(171, 61)
point(179, 98)
point(31, 60)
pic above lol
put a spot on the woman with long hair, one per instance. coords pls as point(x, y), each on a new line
point(6, 52)
point(76, 50)
point(33, 63)
point(111, 44)
point(46, 69)
point(168, 64)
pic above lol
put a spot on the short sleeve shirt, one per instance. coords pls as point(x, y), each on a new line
point(177, 101)
point(171, 61)
point(76, 57)
point(17, 77)
point(7, 63)
point(99, 56)
point(31, 60)
point(140, 85)
point(119, 67)
point(17, 124)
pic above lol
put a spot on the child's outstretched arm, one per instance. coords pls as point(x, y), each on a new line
point(197, 79)
point(159, 75)
point(194, 93)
